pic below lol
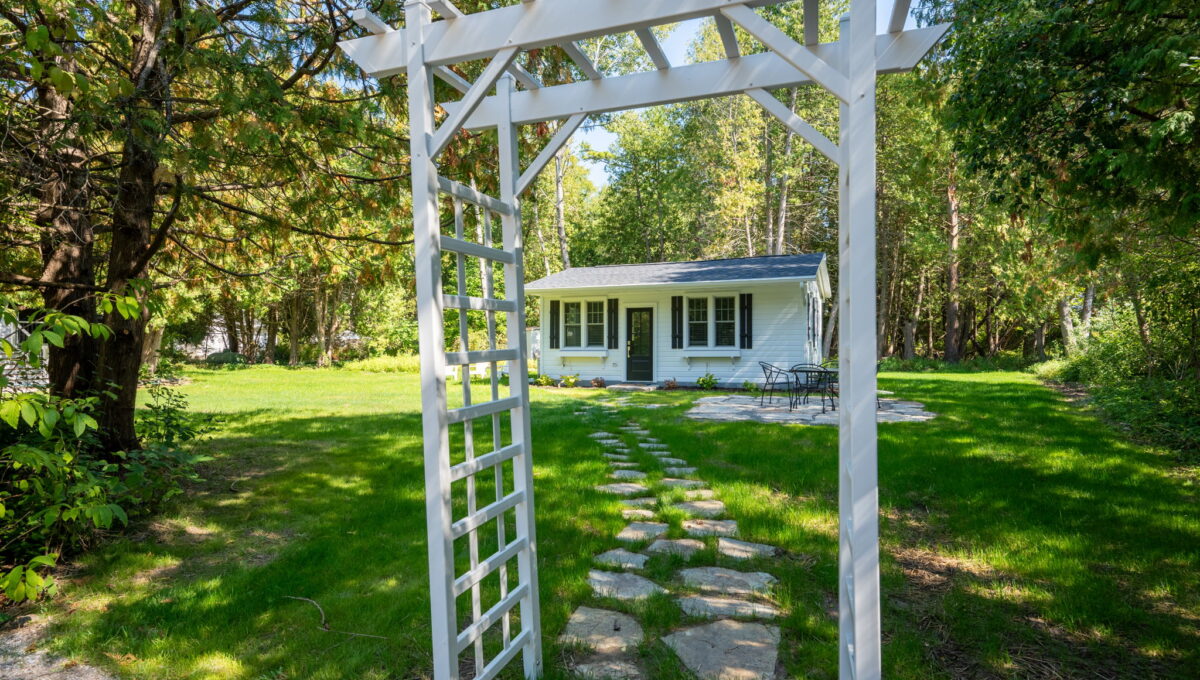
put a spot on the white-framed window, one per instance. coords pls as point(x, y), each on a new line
point(584, 324)
point(724, 321)
point(712, 321)
point(697, 322)
point(595, 323)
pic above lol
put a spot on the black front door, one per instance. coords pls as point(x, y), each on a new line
point(639, 345)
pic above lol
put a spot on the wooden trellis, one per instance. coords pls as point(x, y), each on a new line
point(424, 50)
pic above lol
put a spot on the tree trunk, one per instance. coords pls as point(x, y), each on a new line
point(953, 350)
point(1085, 315)
point(885, 299)
point(1067, 322)
point(910, 324)
point(1039, 341)
point(150, 350)
point(784, 184)
point(560, 209)
point(272, 334)
point(830, 329)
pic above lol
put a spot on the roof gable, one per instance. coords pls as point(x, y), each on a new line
point(804, 266)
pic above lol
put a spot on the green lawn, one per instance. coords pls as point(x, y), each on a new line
point(1021, 537)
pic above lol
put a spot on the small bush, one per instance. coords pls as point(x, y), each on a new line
point(570, 380)
point(670, 384)
point(707, 381)
point(385, 364)
point(543, 380)
point(599, 382)
point(226, 359)
point(750, 386)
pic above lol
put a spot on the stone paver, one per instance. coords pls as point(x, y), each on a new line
point(680, 470)
point(642, 531)
point(615, 456)
point(621, 557)
point(684, 547)
point(715, 607)
point(640, 502)
point(728, 650)
point(652, 446)
point(627, 474)
point(699, 494)
point(622, 586)
point(608, 668)
point(710, 527)
point(702, 508)
point(622, 488)
point(742, 408)
point(651, 440)
point(744, 550)
point(667, 460)
point(637, 513)
point(602, 630)
point(681, 483)
point(660, 454)
point(623, 464)
point(728, 581)
point(602, 435)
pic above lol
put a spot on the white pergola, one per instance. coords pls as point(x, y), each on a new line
point(424, 50)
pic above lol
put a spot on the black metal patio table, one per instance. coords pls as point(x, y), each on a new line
point(809, 379)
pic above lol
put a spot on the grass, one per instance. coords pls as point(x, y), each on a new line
point(1021, 537)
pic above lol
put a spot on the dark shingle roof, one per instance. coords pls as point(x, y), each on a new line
point(705, 271)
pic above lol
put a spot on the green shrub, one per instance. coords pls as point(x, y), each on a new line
point(750, 386)
point(570, 380)
point(707, 381)
point(543, 380)
point(225, 359)
point(407, 363)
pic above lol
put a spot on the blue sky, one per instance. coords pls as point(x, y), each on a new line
point(676, 47)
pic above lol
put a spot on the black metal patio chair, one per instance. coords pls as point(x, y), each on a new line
point(810, 379)
point(773, 376)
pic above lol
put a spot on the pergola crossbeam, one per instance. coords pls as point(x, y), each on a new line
point(529, 25)
point(767, 70)
point(899, 16)
point(556, 143)
point(796, 123)
point(812, 22)
point(801, 57)
point(728, 37)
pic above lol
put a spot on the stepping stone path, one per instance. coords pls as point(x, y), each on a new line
point(726, 649)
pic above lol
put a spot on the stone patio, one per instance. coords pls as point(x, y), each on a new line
point(740, 407)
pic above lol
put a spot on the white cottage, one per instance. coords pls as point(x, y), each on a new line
point(681, 320)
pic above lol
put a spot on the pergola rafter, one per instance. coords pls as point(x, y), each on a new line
point(425, 49)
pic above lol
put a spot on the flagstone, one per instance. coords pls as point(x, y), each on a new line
point(728, 650)
point(607, 667)
point(640, 502)
point(616, 456)
point(702, 508)
point(744, 550)
point(627, 474)
point(602, 630)
point(621, 557)
point(681, 483)
point(684, 547)
point(623, 464)
point(728, 581)
point(710, 527)
point(680, 470)
point(637, 513)
point(642, 531)
point(715, 607)
point(667, 460)
point(622, 488)
point(622, 586)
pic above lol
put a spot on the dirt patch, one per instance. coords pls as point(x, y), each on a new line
point(21, 658)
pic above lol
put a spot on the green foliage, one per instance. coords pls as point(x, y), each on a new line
point(571, 380)
point(707, 381)
point(751, 386)
point(408, 363)
point(226, 359)
point(544, 380)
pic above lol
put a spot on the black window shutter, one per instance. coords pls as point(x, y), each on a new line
point(747, 313)
point(554, 324)
point(612, 324)
point(677, 322)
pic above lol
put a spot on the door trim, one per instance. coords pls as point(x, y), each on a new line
point(629, 311)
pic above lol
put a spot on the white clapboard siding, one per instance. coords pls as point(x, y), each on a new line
point(780, 334)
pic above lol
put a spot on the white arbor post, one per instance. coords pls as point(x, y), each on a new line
point(858, 485)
